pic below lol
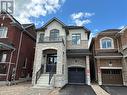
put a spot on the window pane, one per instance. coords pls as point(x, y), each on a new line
point(54, 33)
point(3, 58)
point(41, 38)
point(3, 32)
point(106, 43)
point(103, 44)
point(109, 44)
point(76, 39)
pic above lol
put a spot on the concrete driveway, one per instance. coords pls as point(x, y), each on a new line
point(77, 90)
point(116, 90)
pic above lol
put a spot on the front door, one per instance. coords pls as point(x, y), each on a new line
point(51, 63)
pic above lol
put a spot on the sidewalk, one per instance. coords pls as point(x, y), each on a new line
point(98, 90)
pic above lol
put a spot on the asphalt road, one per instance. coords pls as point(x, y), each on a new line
point(116, 90)
point(77, 90)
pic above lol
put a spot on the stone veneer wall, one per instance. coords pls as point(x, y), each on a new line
point(76, 62)
point(60, 77)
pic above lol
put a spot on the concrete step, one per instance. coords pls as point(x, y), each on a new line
point(43, 81)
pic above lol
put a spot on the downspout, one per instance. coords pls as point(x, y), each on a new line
point(7, 78)
point(19, 47)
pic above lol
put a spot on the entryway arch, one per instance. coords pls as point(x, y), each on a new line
point(50, 60)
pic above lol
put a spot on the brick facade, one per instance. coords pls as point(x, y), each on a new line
point(22, 40)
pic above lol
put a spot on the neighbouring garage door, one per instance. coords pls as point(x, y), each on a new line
point(76, 75)
point(111, 76)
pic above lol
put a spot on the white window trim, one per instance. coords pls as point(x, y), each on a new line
point(110, 67)
point(6, 29)
point(112, 43)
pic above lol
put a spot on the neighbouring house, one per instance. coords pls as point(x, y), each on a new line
point(107, 58)
point(17, 45)
point(61, 55)
point(122, 40)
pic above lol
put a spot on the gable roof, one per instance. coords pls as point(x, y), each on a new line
point(78, 27)
point(125, 28)
point(50, 21)
point(27, 25)
point(109, 32)
point(15, 22)
point(63, 25)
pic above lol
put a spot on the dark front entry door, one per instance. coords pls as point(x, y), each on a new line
point(51, 63)
point(76, 75)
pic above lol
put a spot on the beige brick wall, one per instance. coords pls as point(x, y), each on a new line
point(84, 39)
point(76, 62)
point(115, 62)
point(82, 45)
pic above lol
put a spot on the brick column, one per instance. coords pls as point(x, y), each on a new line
point(124, 71)
point(87, 70)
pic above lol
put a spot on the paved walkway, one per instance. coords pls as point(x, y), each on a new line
point(98, 90)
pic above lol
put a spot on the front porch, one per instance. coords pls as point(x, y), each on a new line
point(6, 66)
point(52, 71)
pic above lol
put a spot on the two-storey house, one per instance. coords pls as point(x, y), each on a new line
point(107, 59)
point(122, 40)
point(17, 43)
point(61, 55)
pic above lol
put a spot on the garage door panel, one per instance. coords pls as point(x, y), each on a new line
point(76, 75)
point(111, 76)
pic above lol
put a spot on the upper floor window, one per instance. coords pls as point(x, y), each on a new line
point(54, 33)
point(106, 43)
point(3, 57)
point(24, 63)
point(41, 37)
point(3, 32)
point(76, 38)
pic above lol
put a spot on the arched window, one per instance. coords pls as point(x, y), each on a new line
point(54, 33)
point(106, 43)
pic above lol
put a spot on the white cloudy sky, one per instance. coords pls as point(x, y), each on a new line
point(24, 9)
point(93, 14)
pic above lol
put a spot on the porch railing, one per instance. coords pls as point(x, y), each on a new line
point(51, 39)
point(52, 72)
point(39, 72)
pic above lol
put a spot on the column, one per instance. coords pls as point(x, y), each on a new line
point(124, 71)
point(99, 72)
point(59, 62)
point(87, 70)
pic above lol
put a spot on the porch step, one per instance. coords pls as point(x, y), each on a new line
point(43, 81)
